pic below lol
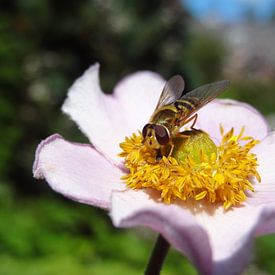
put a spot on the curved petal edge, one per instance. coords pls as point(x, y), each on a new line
point(177, 226)
point(77, 171)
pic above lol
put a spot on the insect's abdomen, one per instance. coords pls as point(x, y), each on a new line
point(186, 105)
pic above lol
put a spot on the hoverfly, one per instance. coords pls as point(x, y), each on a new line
point(175, 109)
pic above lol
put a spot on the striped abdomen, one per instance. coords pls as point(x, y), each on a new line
point(187, 105)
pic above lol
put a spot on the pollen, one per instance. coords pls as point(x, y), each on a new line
point(197, 169)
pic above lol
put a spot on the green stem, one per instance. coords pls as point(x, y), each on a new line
point(157, 257)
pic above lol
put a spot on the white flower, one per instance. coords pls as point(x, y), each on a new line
point(215, 240)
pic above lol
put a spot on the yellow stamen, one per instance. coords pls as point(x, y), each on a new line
point(217, 174)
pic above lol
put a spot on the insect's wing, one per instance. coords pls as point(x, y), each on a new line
point(172, 91)
point(196, 99)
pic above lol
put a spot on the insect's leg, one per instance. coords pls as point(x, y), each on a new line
point(194, 122)
point(171, 149)
point(166, 150)
point(182, 135)
point(183, 122)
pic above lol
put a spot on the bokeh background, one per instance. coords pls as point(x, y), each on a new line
point(44, 46)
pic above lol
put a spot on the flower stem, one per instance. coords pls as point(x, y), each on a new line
point(157, 257)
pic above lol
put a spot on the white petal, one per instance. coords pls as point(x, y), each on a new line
point(216, 241)
point(177, 225)
point(265, 191)
point(138, 95)
point(77, 171)
point(107, 119)
point(266, 222)
point(231, 236)
point(231, 113)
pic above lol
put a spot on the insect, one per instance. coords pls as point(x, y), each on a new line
point(175, 109)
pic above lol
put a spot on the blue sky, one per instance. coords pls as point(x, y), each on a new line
point(231, 10)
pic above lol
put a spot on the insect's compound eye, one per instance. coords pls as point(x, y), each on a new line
point(162, 134)
point(145, 129)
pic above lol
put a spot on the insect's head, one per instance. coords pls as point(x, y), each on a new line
point(155, 135)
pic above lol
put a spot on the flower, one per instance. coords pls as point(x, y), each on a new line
point(216, 240)
point(196, 169)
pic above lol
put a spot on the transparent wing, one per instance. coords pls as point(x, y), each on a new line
point(197, 98)
point(172, 91)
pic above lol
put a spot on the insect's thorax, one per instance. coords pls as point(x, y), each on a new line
point(170, 115)
point(166, 116)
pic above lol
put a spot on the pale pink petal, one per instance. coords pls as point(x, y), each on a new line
point(77, 171)
point(107, 119)
point(265, 191)
point(231, 113)
point(178, 226)
point(231, 236)
point(266, 223)
point(138, 95)
point(94, 113)
point(216, 241)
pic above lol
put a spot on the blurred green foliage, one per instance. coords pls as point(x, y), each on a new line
point(44, 46)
